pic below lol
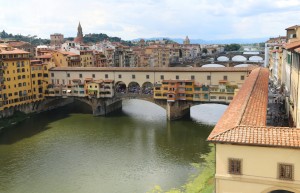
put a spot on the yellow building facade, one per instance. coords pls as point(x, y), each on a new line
point(16, 88)
point(39, 79)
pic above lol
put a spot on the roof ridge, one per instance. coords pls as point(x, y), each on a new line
point(248, 97)
point(221, 133)
point(243, 108)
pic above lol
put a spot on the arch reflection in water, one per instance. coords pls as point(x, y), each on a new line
point(213, 65)
point(242, 65)
point(208, 113)
point(128, 151)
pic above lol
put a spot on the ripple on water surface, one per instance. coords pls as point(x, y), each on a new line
point(129, 151)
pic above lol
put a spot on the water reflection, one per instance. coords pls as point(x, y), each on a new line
point(128, 151)
point(213, 65)
point(207, 113)
point(242, 65)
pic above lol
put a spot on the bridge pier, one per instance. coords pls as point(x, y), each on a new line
point(105, 106)
point(177, 110)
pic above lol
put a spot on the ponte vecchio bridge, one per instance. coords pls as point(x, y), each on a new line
point(174, 89)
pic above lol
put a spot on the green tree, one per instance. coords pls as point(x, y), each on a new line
point(232, 47)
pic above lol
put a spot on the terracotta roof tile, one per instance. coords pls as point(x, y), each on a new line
point(244, 121)
point(235, 111)
point(261, 136)
point(292, 27)
point(292, 45)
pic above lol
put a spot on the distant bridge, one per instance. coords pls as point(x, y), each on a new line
point(231, 59)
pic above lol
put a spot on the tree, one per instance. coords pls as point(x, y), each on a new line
point(232, 47)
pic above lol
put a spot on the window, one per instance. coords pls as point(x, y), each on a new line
point(106, 75)
point(133, 76)
point(68, 75)
point(213, 97)
point(225, 77)
point(120, 75)
point(242, 77)
point(177, 77)
point(147, 76)
point(235, 166)
point(80, 75)
point(52, 74)
point(162, 77)
point(208, 78)
point(93, 75)
point(192, 77)
point(285, 171)
point(222, 97)
point(230, 98)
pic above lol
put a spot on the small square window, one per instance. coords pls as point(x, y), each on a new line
point(106, 75)
point(235, 166)
point(285, 171)
point(68, 75)
point(133, 76)
point(225, 77)
point(80, 75)
point(242, 77)
point(162, 77)
point(52, 74)
point(208, 78)
point(120, 75)
point(177, 77)
point(147, 76)
point(192, 77)
point(93, 75)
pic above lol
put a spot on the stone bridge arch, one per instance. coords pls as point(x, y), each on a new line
point(241, 65)
point(147, 88)
point(134, 87)
point(255, 58)
point(223, 58)
point(213, 65)
point(161, 103)
point(239, 58)
point(280, 190)
point(120, 87)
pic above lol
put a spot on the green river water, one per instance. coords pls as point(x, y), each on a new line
point(67, 150)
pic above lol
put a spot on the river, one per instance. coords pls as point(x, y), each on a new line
point(68, 150)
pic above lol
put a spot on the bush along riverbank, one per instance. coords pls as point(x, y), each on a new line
point(204, 182)
point(16, 118)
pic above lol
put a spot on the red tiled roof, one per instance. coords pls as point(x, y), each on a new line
point(292, 45)
point(292, 27)
point(18, 43)
point(255, 113)
point(234, 113)
point(261, 136)
point(45, 56)
point(244, 121)
point(14, 51)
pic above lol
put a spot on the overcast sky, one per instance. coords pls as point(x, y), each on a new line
point(129, 19)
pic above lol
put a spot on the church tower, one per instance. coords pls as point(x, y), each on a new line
point(79, 38)
point(187, 40)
